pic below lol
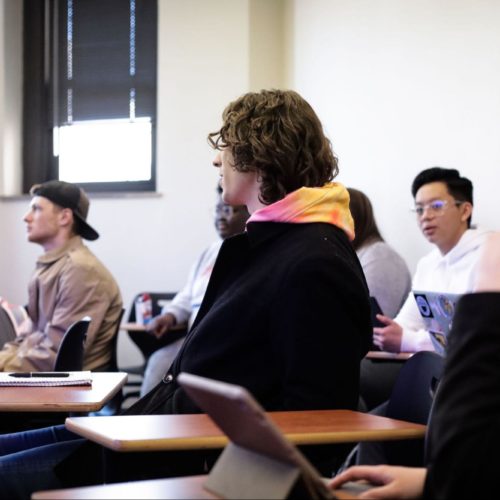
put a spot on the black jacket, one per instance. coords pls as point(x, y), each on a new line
point(286, 315)
point(464, 432)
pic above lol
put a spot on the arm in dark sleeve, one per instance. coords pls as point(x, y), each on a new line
point(464, 434)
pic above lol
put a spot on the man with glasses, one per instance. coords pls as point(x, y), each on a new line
point(443, 207)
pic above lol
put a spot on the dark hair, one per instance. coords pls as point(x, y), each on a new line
point(459, 187)
point(365, 225)
point(277, 134)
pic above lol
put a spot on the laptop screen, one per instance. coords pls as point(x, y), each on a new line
point(437, 310)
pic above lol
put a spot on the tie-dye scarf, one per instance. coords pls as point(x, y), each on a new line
point(329, 203)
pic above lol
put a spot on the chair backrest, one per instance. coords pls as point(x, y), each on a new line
point(413, 392)
point(113, 364)
point(158, 298)
point(70, 354)
point(148, 344)
point(411, 400)
point(7, 327)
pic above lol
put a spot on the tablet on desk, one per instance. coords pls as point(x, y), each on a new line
point(246, 424)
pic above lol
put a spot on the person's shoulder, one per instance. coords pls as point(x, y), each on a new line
point(381, 251)
point(81, 259)
point(320, 244)
point(474, 237)
point(309, 235)
point(210, 252)
point(379, 248)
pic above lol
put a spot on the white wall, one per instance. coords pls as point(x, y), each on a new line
point(401, 86)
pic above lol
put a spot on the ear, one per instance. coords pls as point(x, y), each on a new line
point(466, 208)
point(66, 217)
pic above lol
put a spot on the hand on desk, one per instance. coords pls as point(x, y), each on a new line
point(160, 325)
point(388, 338)
point(388, 481)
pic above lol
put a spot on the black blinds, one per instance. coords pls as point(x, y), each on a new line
point(107, 59)
point(84, 60)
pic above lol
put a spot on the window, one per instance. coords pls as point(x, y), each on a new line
point(90, 93)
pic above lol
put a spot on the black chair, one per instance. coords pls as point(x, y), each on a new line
point(146, 342)
point(411, 400)
point(7, 328)
point(114, 405)
point(70, 353)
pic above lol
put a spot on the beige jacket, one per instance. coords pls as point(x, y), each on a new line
point(68, 284)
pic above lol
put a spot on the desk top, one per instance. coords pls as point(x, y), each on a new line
point(139, 327)
point(154, 489)
point(63, 398)
point(397, 356)
point(181, 432)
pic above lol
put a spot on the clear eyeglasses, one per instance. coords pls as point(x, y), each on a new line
point(436, 207)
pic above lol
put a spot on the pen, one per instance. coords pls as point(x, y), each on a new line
point(39, 374)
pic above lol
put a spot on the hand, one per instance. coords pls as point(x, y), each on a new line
point(388, 481)
point(488, 266)
point(388, 338)
point(161, 324)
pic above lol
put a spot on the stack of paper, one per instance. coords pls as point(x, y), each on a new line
point(45, 379)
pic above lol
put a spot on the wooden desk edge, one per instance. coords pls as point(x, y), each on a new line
point(192, 484)
point(77, 406)
point(158, 444)
point(139, 327)
point(397, 356)
point(214, 442)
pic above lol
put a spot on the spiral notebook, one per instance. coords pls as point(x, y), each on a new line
point(36, 379)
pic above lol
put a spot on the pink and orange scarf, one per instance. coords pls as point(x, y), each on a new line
point(329, 204)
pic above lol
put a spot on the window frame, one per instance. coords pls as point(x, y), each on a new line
point(41, 101)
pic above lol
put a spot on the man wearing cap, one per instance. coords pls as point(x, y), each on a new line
point(69, 283)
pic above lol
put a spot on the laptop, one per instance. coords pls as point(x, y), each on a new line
point(437, 310)
point(259, 443)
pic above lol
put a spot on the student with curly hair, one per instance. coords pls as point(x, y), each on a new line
point(286, 312)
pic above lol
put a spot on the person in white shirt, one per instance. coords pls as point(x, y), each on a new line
point(186, 304)
point(443, 207)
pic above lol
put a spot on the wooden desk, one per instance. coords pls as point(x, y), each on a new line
point(394, 356)
point(182, 487)
point(155, 489)
point(183, 432)
point(139, 327)
point(65, 398)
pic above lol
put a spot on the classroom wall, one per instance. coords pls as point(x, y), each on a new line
point(399, 85)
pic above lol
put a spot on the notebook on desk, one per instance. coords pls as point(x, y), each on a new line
point(262, 453)
point(437, 310)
